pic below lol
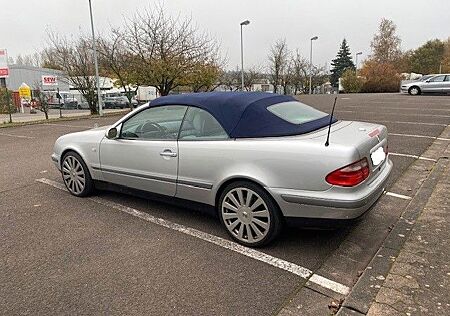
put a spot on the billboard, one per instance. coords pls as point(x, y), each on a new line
point(4, 72)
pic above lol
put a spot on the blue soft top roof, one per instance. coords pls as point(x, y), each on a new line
point(244, 114)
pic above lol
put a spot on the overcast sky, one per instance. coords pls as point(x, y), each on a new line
point(23, 24)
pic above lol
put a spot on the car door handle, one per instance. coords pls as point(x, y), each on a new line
point(168, 153)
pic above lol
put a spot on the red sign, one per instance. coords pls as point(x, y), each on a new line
point(49, 80)
point(3, 63)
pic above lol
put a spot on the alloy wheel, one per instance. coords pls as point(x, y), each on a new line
point(414, 91)
point(73, 175)
point(245, 215)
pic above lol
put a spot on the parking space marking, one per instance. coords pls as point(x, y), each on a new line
point(401, 114)
point(421, 102)
point(18, 136)
point(400, 196)
point(293, 268)
point(413, 156)
point(68, 125)
point(394, 108)
point(412, 123)
point(419, 136)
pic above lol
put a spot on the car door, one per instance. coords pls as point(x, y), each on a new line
point(145, 155)
point(435, 84)
point(202, 146)
point(446, 88)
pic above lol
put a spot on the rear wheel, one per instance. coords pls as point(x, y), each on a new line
point(414, 90)
point(76, 175)
point(249, 214)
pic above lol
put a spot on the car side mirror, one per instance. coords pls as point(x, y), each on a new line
point(112, 133)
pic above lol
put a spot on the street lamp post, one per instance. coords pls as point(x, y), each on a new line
point(310, 63)
point(246, 22)
point(94, 47)
point(356, 61)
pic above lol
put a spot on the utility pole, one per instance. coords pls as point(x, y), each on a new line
point(356, 61)
point(246, 22)
point(94, 47)
point(310, 63)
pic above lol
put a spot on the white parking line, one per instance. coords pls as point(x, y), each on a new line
point(401, 114)
point(412, 156)
point(396, 108)
point(67, 125)
point(224, 243)
point(413, 123)
point(18, 136)
point(419, 136)
point(400, 196)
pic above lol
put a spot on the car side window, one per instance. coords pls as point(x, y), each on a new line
point(157, 123)
point(437, 79)
point(447, 78)
point(198, 124)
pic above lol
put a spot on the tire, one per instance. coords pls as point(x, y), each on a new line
point(76, 175)
point(414, 90)
point(240, 220)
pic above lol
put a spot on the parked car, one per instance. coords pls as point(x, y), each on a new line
point(119, 102)
point(428, 84)
point(258, 158)
point(110, 103)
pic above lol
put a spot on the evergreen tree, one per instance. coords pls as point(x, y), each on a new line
point(342, 62)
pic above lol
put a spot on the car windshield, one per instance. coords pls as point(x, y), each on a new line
point(423, 78)
point(295, 112)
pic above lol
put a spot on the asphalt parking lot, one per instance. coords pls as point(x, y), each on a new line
point(112, 254)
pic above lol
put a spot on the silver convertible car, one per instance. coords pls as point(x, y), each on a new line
point(258, 158)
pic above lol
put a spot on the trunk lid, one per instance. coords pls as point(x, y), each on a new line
point(369, 139)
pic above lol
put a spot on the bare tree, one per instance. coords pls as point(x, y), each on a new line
point(299, 69)
point(42, 99)
point(75, 58)
point(231, 79)
point(117, 61)
point(278, 62)
point(251, 77)
point(168, 50)
point(33, 60)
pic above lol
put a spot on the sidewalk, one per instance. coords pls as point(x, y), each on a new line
point(410, 272)
point(53, 114)
point(419, 280)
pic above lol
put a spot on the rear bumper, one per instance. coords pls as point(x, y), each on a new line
point(332, 204)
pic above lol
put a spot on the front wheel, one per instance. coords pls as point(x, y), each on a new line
point(249, 214)
point(414, 90)
point(76, 175)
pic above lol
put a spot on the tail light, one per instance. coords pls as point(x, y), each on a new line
point(350, 175)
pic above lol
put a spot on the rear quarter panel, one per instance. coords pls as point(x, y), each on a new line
point(280, 162)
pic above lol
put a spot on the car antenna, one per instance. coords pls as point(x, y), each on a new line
point(329, 125)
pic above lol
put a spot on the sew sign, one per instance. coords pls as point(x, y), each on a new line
point(4, 71)
point(49, 80)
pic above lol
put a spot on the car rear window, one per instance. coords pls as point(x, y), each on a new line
point(295, 112)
